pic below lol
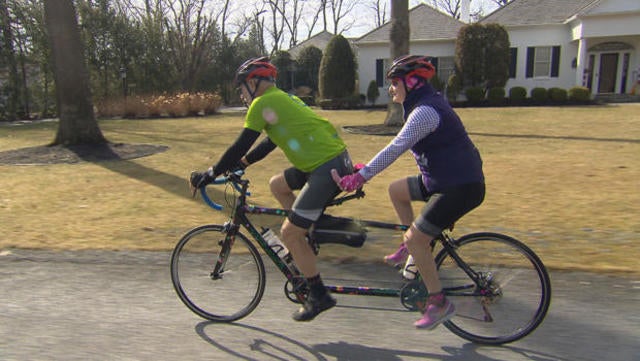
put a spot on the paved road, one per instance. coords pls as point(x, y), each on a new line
point(121, 306)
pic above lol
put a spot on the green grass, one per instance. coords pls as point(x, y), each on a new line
point(565, 180)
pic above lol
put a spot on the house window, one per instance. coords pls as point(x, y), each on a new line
point(445, 67)
point(381, 71)
point(543, 62)
point(513, 62)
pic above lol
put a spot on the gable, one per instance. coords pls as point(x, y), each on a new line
point(425, 23)
point(319, 40)
point(603, 7)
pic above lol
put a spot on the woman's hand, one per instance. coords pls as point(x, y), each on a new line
point(348, 183)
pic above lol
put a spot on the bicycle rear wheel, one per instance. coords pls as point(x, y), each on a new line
point(510, 297)
point(218, 280)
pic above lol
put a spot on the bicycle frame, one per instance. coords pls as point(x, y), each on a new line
point(478, 268)
point(239, 219)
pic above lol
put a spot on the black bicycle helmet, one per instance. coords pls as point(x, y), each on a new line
point(412, 65)
point(258, 68)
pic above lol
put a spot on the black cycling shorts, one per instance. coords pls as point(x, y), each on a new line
point(317, 188)
point(444, 207)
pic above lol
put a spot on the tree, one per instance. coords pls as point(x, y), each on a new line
point(78, 124)
point(496, 55)
point(191, 38)
point(482, 55)
point(337, 70)
point(470, 54)
point(399, 46)
point(9, 55)
point(285, 64)
point(379, 8)
point(309, 66)
point(373, 92)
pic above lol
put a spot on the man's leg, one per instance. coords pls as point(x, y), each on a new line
point(280, 189)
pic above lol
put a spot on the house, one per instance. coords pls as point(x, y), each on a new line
point(320, 41)
point(431, 32)
point(554, 43)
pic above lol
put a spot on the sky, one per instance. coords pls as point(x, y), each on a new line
point(365, 25)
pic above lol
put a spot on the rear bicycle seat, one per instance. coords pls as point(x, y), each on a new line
point(338, 230)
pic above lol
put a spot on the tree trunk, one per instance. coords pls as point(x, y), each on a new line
point(399, 46)
point(78, 124)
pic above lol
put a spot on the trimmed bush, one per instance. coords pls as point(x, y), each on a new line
point(517, 94)
point(496, 95)
point(373, 92)
point(539, 95)
point(475, 95)
point(337, 77)
point(579, 94)
point(557, 95)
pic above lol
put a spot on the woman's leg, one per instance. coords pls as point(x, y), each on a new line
point(401, 200)
point(418, 244)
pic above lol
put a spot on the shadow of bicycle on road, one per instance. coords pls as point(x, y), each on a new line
point(255, 343)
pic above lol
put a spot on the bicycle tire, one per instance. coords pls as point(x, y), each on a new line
point(238, 289)
point(516, 300)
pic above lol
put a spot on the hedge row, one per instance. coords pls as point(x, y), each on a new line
point(154, 106)
point(518, 95)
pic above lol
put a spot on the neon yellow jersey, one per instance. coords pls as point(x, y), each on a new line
point(306, 139)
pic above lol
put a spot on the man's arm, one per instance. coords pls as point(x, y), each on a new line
point(236, 151)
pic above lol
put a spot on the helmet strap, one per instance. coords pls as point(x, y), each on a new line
point(255, 90)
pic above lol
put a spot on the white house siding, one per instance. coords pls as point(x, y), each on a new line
point(369, 53)
point(542, 36)
point(590, 34)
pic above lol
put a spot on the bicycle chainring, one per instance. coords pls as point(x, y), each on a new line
point(296, 292)
point(413, 295)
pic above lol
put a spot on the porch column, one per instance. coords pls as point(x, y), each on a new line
point(581, 62)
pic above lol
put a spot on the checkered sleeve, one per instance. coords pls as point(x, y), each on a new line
point(421, 122)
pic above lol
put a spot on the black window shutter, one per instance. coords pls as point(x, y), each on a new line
point(531, 54)
point(555, 61)
point(513, 62)
point(380, 72)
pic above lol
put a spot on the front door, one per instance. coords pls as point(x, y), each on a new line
point(608, 73)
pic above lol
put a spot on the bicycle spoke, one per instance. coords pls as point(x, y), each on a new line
point(510, 296)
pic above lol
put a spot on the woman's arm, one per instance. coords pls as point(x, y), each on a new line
point(422, 121)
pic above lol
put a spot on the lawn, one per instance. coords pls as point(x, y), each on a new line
point(562, 179)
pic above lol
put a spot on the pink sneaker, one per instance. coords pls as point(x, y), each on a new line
point(399, 256)
point(434, 314)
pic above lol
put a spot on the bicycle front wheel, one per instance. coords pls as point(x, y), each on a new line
point(509, 296)
point(217, 279)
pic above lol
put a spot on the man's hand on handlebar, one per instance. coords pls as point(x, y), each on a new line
point(198, 180)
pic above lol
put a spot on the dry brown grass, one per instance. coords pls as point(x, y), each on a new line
point(562, 179)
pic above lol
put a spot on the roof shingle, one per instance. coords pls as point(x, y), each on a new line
point(536, 12)
point(425, 23)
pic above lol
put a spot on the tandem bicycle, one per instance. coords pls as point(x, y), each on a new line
point(500, 287)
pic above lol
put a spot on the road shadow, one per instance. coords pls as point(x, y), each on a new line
point(260, 344)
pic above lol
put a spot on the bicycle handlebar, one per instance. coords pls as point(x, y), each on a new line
point(220, 180)
point(234, 179)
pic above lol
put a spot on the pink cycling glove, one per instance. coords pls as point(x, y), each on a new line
point(348, 183)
